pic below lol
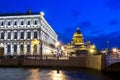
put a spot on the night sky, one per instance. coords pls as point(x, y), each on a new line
point(98, 20)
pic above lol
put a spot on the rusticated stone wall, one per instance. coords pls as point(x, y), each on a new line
point(93, 61)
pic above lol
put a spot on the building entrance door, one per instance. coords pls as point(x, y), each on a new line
point(1, 51)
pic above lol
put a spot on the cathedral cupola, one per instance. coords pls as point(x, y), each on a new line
point(78, 37)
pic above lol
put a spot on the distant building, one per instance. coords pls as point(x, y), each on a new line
point(26, 34)
point(77, 44)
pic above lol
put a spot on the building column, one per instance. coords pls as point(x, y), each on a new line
point(5, 49)
point(11, 49)
point(5, 35)
point(18, 32)
point(12, 35)
point(32, 36)
point(31, 49)
point(25, 35)
point(25, 49)
point(18, 49)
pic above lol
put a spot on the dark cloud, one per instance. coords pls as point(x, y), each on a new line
point(113, 4)
point(75, 13)
point(113, 22)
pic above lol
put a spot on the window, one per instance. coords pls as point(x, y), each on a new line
point(15, 23)
point(22, 23)
point(8, 48)
point(35, 34)
point(35, 23)
point(15, 48)
point(35, 49)
point(2, 35)
point(15, 35)
point(2, 24)
point(9, 35)
point(28, 22)
point(22, 35)
point(28, 35)
point(22, 48)
point(9, 23)
point(28, 48)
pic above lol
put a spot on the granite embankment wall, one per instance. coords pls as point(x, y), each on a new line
point(93, 62)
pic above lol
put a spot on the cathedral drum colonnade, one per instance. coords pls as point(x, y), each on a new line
point(23, 35)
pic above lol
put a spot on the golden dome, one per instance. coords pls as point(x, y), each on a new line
point(77, 37)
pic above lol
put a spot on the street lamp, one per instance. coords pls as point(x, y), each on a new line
point(92, 51)
point(114, 50)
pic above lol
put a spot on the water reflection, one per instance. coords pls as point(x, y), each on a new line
point(50, 74)
point(35, 74)
point(57, 75)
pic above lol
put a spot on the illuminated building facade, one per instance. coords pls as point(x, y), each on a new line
point(78, 44)
point(26, 35)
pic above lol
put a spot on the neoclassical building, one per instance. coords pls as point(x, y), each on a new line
point(78, 44)
point(27, 34)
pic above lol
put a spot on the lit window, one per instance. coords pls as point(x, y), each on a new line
point(2, 35)
point(28, 22)
point(22, 35)
point(15, 48)
point(35, 49)
point(9, 35)
point(35, 34)
point(15, 35)
point(35, 23)
point(28, 48)
point(28, 35)
point(8, 48)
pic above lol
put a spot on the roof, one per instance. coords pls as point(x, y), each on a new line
point(78, 31)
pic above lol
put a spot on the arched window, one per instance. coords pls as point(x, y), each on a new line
point(9, 35)
point(2, 23)
point(9, 23)
point(15, 48)
point(2, 35)
point(28, 35)
point(35, 22)
point(22, 23)
point(8, 48)
point(15, 35)
point(28, 48)
point(22, 35)
point(35, 34)
point(15, 23)
point(28, 22)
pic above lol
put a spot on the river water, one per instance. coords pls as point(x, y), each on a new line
point(53, 74)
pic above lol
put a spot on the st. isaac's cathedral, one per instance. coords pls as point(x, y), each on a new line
point(78, 46)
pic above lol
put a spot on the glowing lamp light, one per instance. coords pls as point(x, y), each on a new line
point(57, 43)
point(62, 48)
point(114, 50)
point(92, 51)
point(35, 42)
point(42, 13)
